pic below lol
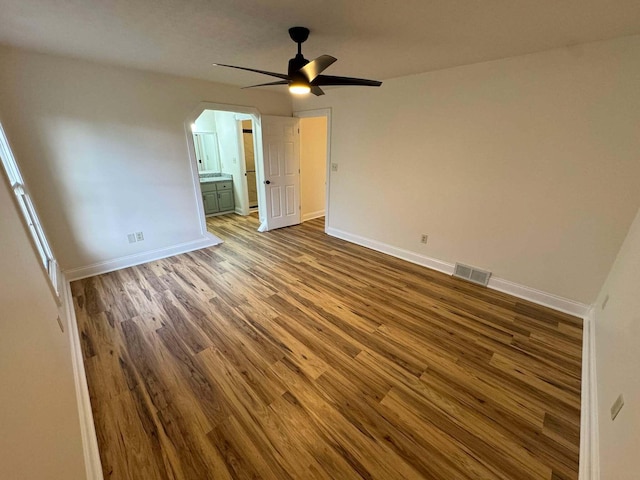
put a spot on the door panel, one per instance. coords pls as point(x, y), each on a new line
point(290, 200)
point(291, 166)
point(274, 159)
point(276, 211)
point(281, 148)
point(225, 200)
point(210, 200)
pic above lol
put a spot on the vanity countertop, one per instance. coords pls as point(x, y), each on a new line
point(206, 178)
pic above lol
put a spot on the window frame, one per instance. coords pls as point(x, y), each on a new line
point(29, 216)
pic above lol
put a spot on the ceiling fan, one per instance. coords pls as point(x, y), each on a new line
point(304, 76)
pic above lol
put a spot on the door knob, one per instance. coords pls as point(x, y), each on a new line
point(267, 182)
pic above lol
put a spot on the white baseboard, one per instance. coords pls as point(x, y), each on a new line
point(139, 258)
point(589, 445)
point(521, 291)
point(541, 298)
point(312, 215)
point(93, 466)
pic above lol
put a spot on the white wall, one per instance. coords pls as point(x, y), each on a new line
point(313, 166)
point(206, 122)
point(104, 150)
point(526, 166)
point(229, 141)
point(618, 359)
point(40, 433)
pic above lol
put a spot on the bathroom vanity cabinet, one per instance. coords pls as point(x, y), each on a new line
point(217, 196)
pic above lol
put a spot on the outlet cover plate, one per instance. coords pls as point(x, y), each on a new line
point(616, 407)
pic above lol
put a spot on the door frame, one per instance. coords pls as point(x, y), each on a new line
point(239, 118)
point(193, 163)
point(322, 112)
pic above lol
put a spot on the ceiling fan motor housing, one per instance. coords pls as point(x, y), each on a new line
point(296, 63)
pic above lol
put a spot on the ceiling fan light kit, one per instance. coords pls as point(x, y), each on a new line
point(304, 76)
point(299, 87)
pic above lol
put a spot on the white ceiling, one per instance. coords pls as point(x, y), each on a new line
point(378, 39)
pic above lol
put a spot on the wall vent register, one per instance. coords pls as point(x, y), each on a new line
point(472, 274)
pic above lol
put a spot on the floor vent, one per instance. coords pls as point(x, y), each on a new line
point(472, 274)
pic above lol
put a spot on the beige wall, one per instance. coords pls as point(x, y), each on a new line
point(39, 426)
point(104, 150)
point(313, 166)
point(618, 359)
point(526, 166)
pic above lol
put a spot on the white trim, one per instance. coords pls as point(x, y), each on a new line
point(541, 298)
point(589, 444)
point(407, 255)
point(243, 208)
point(92, 464)
point(138, 258)
point(9, 161)
point(28, 215)
point(312, 215)
point(521, 291)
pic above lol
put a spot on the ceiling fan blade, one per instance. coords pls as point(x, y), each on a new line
point(317, 91)
point(273, 74)
point(315, 67)
point(332, 80)
point(279, 82)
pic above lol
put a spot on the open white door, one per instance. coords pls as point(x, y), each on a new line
point(281, 154)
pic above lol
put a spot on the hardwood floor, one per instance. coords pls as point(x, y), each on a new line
point(294, 355)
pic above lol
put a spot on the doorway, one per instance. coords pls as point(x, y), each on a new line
point(315, 163)
point(221, 140)
point(216, 152)
point(249, 158)
point(219, 151)
point(313, 166)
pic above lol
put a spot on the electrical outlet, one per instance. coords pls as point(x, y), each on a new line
point(334, 167)
point(424, 238)
point(605, 301)
point(139, 237)
point(131, 237)
point(616, 407)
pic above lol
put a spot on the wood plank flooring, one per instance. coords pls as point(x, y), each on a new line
point(294, 355)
